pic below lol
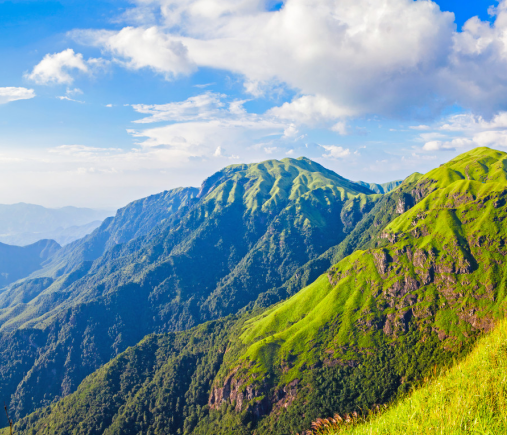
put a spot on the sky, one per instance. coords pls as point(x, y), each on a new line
point(105, 102)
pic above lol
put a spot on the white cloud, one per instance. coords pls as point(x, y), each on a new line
point(467, 131)
point(270, 150)
point(335, 152)
point(420, 127)
point(220, 152)
point(69, 99)
point(363, 56)
point(291, 131)
point(202, 106)
point(470, 122)
point(55, 68)
point(340, 128)
point(206, 124)
point(139, 48)
point(309, 110)
point(204, 85)
point(81, 150)
point(9, 94)
point(75, 91)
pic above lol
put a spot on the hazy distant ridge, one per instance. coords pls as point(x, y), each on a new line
point(23, 224)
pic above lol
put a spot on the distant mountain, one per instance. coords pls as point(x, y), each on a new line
point(23, 224)
point(18, 262)
point(424, 278)
point(381, 188)
point(167, 263)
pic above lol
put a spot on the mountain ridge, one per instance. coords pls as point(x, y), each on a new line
point(416, 292)
point(277, 216)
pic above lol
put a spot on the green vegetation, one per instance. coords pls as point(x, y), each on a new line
point(168, 263)
point(419, 277)
point(381, 188)
point(470, 397)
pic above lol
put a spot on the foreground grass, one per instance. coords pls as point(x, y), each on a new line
point(470, 398)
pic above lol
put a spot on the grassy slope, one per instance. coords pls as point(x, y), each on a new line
point(383, 317)
point(471, 397)
point(438, 272)
point(444, 228)
point(363, 235)
point(251, 227)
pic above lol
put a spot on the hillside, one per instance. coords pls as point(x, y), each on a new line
point(381, 188)
point(169, 263)
point(469, 397)
point(413, 299)
point(18, 262)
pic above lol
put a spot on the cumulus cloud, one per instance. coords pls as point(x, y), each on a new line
point(56, 68)
point(345, 57)
point(309, 110)
point(464, 131)
point(138, 48)
point(207, 124)
point(336, 152)
point(9, 94)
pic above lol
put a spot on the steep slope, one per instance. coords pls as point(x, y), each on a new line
point(469, 398)
point(366, 332)
point(136, 219)
point(18, 262)
point(363, 236)
point(434, 279)
point(245, 231)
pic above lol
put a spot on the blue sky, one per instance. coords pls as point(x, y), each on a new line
point(103, 102)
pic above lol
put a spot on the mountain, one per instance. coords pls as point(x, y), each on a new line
point(414, 295)
point(417, 294)
point(476, 385)
point(17, 262)
point(381, 188)
point(23, 224)
point(62, 236)
point(168, 263)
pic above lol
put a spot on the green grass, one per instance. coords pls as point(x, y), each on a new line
point(457, 231)
point(469, 398)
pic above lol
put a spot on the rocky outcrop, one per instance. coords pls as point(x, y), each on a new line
point(397, 323)
point(239, 391)
point(382, 260)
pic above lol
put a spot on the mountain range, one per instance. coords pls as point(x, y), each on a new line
point(24, 224)
point(275, 294)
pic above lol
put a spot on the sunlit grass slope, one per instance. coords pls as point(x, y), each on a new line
point(438, 262)
point(471, 398)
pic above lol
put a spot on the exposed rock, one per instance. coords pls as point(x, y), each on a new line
point(382, 260)
point(284, 397)
point(405, 202)
point(397, 323)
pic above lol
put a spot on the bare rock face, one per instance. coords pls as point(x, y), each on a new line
point(382, 260)
point(405, 203)
point(235, 390)
point(397, 323)
point(422, 190)
point(284, 397)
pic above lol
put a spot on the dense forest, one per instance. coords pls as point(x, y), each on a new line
point(277, 294)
